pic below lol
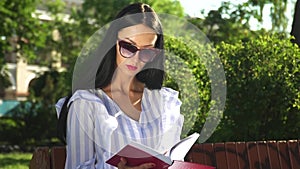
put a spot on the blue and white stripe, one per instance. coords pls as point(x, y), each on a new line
point(97, 128)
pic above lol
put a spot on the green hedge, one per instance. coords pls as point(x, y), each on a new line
point(262, 81)
point(33, 122)
point(263, 86)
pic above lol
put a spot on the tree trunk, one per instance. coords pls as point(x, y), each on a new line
point(296, 24)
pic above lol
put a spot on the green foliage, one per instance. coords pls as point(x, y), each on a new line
point(180, 76)
point(60, 39)
point(263, 90)
point(8, 128)
point(49, 87)
point(277, 12)
point(4, 82)
point(262, 77)
point(21, 29)
point(166, 6)
point(229, 23)
point(25, 124)
point(101, 12)
point(196, 76)
point(201, 83)
point(15, 160)
point(194, 63)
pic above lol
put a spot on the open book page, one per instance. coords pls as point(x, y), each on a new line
point(180, 149)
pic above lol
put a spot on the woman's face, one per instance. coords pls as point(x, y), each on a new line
point(135, 46)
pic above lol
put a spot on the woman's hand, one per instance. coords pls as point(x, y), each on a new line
point(122, 165)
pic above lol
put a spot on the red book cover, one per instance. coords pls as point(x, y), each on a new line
point(137, 154)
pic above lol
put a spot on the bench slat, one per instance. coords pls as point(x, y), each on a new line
point(293, 148)
point(220, 154)
point(283, 154)
point(40, 158)
point(263, 156)
point(231, 155)
point(210, 158)
point(58, 157)
point(242, 154)
point(253, 155)
point(196, 154)
point(273, 154)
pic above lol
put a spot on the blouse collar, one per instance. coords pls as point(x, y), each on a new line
point(151, 106)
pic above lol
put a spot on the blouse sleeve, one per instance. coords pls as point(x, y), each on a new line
point(89, 128)
point(80, 151)
point(173, 119)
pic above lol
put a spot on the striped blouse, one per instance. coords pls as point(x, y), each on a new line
point(97, 128)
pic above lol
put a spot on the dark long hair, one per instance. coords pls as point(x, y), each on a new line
point(152, 74)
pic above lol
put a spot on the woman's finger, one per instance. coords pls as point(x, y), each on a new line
point(146, 166)
point(123, 161)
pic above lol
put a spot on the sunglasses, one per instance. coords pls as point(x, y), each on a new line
point(128, 50)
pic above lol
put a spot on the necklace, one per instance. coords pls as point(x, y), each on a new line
point(136, 102)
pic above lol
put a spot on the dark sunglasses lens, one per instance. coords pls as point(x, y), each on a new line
point(126, 49)
point(147, 55)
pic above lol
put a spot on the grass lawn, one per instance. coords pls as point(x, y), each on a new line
point(15, 160)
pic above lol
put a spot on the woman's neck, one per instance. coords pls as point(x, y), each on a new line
point(125, 84)
point(127, 93)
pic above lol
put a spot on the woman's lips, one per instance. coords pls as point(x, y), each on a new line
point(130, 67)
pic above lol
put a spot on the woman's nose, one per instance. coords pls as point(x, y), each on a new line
point(136, 57)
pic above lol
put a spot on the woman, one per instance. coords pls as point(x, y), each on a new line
point(128, 102)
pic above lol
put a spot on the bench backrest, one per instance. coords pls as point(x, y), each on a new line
point(229, 155)
point(46, 158)
point(248, 155)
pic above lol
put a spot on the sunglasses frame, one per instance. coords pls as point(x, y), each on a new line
point(120, 42)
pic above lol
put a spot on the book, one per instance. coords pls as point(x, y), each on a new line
point(137, 154)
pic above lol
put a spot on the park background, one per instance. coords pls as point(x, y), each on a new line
point(261, 64)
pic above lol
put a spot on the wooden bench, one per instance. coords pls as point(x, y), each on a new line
point(228, 155)
point(46, 158)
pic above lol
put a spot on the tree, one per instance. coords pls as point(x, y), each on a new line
point(296, 24)
point(239, 15)
point(21, 29)
point(21, 33)
point(229, 23)
point(4, 82)
point(277, 13)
